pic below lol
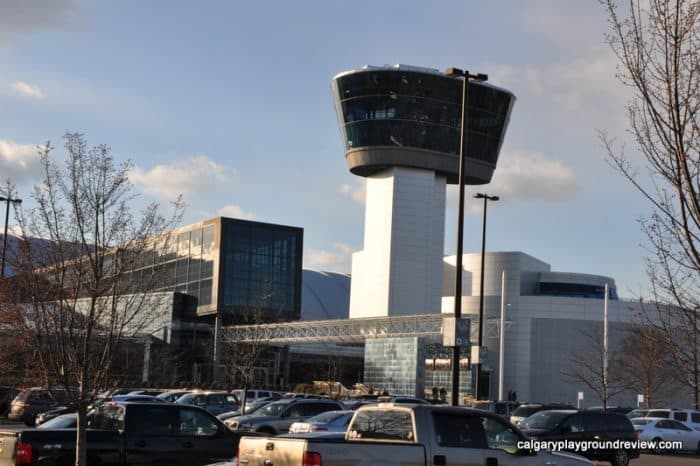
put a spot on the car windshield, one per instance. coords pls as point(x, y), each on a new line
point(546, 420)
point(273, 409)
point(65, 421)
point(640, 422)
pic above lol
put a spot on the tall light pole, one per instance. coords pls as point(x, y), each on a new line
point(486, 198)
point(7, 200)
point(466, 76)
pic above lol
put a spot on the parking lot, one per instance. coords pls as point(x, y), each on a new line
point(643, 460)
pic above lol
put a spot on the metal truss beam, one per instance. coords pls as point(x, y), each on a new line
point(337, 331)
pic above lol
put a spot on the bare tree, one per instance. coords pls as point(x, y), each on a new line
point(86, 285)
point(241, 358)
point(588, 368)
point(643, 368)
point(657, 43)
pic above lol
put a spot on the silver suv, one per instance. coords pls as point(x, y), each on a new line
point(278, 416)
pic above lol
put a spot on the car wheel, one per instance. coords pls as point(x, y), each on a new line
point(620, 458)
point(657, 450)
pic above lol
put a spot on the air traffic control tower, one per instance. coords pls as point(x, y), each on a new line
point(401, 131)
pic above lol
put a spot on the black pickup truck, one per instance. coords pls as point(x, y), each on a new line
point(128, 434)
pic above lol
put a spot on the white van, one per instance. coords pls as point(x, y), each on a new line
point(255, 395)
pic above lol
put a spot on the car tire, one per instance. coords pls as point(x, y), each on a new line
point(620, 458)
point(656, 450)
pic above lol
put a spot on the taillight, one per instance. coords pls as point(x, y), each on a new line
point(23, 453)
point(311, 458)
point(23, 405)
point(637, 434)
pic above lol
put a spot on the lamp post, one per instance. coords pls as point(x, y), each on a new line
point(7, 200)
point(486, 198)
point(466, 76)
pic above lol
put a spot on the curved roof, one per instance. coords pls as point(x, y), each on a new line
point(324, 295)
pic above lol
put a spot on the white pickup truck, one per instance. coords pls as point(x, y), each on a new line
point(408, 435)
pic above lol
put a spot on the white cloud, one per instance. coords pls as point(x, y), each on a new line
point(235, 211)
point(524, 176)
point(534, 177)
point(330, 261)
point(18, 162)
point(552, 20)
point(356, 192)
point(27, 90)
point(576, 85)
point(184, 176)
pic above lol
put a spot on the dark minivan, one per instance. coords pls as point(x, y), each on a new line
point(585, 426)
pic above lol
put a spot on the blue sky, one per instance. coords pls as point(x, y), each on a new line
point(229, 104)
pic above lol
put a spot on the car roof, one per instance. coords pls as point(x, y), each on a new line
point(563, 411)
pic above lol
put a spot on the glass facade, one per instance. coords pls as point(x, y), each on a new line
point(260, 270)
point(576, 290)
point(438, 372)
point(413, 366)
point(182, 262)
point(228, 265)
point(395, 365)
point(420, 110)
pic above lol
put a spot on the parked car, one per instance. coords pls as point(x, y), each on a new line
point(528, 409)
point(408, 435)
point(214, 402)
point(638, 412)
point(502, 408)
point(355, 404)
point(137, 399)
point(63, 421)
point(689, 417)
point(52, 413)
point(611, 409)
point(254, 395)
point(250, 408)
point(173, 395)
point(402, 399)
point(128, 434)
point(667, 430)
point(330, 421)
point(301, 395)
point(146, 391)
point(32, 401)
point(585, 426)
point(278, 416)
point(6, 396)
